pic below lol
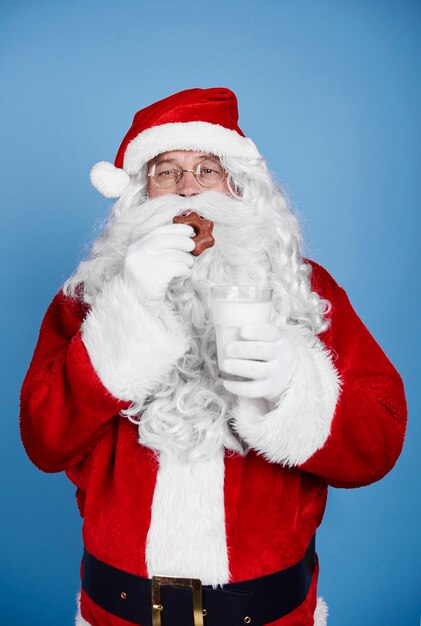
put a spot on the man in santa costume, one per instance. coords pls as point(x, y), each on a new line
point(217, 483)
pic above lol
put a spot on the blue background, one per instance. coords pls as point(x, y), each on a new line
point(330, 92)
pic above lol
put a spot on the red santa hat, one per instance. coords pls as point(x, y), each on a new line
point(204, 120)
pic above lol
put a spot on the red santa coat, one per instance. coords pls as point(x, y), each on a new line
point(341, 422)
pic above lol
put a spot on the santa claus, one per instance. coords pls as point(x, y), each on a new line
point(201, 487)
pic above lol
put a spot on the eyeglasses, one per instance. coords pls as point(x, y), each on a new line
point(208, 173)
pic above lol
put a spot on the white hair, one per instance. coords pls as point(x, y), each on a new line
point(258, 242)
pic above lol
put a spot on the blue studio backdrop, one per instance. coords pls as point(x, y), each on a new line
point(330, 92)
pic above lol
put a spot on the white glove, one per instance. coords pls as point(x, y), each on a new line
point(158, 257)
point(267, 357)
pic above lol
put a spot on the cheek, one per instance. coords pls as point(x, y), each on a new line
point(156, 192)
point(223, 188)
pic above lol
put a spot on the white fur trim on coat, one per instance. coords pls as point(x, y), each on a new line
point(187, 534)
point(131, 347)
point(300, 422)
point(79, 621)
point(198, 136)
point(321, 613)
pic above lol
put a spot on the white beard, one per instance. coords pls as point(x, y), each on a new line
point(190, 412)
point(189, 415)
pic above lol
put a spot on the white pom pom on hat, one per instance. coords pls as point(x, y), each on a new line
point(109, 180)
point(204, 120)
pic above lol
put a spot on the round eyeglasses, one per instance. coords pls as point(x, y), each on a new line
point(208, 173)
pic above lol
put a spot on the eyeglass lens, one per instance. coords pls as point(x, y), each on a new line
point(208, 173)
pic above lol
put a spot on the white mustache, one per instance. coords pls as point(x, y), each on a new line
point(235, 222)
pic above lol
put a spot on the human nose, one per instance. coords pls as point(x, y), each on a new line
point(188, 185)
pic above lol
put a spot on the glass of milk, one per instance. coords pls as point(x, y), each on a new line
point(232, 307)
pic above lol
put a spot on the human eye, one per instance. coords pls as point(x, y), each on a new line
point(165, 169)
point(210, 169)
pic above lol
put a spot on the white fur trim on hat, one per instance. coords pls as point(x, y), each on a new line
point(112, 181)
point(300, 423)
point(109, 180)
point(197, 136)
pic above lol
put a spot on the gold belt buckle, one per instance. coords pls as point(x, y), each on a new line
point(195, 585)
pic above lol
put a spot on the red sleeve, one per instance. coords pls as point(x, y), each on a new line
point(368, 427)
point(65, 408)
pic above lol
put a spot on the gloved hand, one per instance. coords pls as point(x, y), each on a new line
point(158, 257)
point(266, 356)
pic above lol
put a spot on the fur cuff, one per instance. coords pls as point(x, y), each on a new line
point(300, 423)
point(131, 347)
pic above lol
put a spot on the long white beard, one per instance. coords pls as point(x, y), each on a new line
point(189, 414)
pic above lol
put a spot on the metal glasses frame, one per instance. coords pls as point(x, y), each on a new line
point(181, 171)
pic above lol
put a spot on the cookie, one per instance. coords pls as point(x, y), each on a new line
point(202, 227)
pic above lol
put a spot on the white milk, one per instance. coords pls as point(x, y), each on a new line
point(231, 313)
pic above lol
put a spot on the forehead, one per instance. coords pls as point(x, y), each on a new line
point(183, 156)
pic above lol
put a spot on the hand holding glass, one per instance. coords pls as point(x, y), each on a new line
point(234, 306)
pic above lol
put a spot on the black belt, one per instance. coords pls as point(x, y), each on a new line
point(185, 602)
